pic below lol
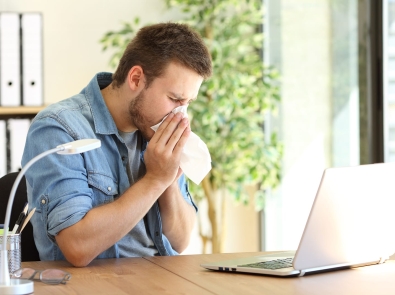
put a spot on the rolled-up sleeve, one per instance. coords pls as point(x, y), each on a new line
point(67, 209)
point(59, 183)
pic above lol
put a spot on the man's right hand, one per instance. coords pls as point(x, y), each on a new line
point(163, 154)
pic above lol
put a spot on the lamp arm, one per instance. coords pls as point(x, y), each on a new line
point(4, 271)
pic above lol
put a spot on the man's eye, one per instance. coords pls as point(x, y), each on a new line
point(180, 100)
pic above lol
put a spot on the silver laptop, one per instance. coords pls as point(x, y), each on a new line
point(351, 223)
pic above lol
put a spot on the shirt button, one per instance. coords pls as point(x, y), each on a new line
point(109, 188)
point(123, 158)
point(43, 201)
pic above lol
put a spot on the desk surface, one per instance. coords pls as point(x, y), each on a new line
point(183, 275)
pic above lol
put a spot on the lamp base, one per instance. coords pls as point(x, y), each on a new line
point(17, 287)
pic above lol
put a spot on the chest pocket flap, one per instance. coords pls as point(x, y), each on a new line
point(104, 183)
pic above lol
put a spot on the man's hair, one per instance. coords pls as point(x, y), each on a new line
point(155, 46)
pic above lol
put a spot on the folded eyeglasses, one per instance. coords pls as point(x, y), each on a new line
point(47, 276)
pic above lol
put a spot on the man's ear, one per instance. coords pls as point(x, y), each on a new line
point(135, 78)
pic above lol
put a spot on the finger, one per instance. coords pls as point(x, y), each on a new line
point(172, 130)
point(162, 127)
point(179, 173)
point(179, 141)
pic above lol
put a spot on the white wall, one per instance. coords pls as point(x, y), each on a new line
point(72, 30)
point(241, 231)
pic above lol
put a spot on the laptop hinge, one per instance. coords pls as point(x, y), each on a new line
point(302, 273)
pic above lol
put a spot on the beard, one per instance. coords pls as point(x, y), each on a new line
point(141, 122)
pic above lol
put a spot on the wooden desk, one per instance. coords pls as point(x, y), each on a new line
point(183, 275)
point(116, 276)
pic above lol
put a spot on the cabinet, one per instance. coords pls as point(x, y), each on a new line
point(13, 135)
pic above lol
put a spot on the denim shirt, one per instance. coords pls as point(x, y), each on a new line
point(63, 188)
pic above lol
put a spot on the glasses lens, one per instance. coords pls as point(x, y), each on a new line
point(24, 273)
point(54, 276)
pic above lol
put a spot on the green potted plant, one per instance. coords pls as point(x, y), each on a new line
point(229, 114)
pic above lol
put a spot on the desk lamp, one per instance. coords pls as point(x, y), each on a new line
point(23, 286)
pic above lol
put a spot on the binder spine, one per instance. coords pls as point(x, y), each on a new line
point(10, 59)
point(32, 59)
point(8, 148)
point(3, 148)
point(21, 59)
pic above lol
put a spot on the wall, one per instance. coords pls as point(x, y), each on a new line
point(72, 30)
point(242, 227)
point(242, 231)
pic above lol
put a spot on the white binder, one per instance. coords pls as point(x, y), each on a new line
point(32, 59)
point(10, 83)
point(3, 148)
point(18, 129)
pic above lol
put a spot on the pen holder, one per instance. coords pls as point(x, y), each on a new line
point(13, 250)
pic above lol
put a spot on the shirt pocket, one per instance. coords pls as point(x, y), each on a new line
point(105, 188)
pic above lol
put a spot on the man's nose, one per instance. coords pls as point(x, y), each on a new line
point(183, 102)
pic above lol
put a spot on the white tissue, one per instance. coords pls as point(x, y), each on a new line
point(195, 157)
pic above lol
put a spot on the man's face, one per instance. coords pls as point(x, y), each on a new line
point(177, 86)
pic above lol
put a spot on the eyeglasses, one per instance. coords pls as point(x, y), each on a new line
point(48, 276)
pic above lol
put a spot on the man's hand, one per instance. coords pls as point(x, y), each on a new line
point(162, 157)
point(83, 241)
point(162, 160)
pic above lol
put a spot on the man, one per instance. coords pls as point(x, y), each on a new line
point(129, 197)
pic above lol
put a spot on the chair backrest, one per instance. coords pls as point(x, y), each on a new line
point(29, 251)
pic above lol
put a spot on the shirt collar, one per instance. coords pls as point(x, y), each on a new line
point(103, 121)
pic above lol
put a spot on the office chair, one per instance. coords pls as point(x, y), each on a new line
point(29, 251)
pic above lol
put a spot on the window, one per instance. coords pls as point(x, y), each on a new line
point(315, 47)
point(389, 79)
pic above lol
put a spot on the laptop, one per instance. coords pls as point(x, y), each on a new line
point(351, 224)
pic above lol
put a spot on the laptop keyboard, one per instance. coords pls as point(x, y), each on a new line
point(272, 264)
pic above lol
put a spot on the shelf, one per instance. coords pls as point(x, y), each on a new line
point(20, 110)
point(26, 112)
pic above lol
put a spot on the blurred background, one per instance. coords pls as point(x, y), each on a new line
point(333, 105)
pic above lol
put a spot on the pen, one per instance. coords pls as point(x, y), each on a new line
point(20, 229)
point(22, 215)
